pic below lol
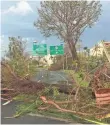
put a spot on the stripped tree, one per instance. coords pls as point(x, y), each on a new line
point(67, 20)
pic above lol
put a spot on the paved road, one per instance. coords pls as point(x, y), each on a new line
point(52, 77)
point(9, 110)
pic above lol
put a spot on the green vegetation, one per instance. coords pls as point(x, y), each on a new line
point(17, 61)
point(30, 104)
point(82, 101)
point(78, 77)
point(25, 108)
point(75, 101)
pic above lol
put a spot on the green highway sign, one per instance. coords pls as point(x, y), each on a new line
point(40, 49)
point(34, 46)
point(56, 50)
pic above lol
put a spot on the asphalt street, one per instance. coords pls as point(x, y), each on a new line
point(9, 110)
point(52, 77)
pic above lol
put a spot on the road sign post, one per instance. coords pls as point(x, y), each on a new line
point(34, 46)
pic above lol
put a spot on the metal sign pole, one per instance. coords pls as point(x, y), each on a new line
point(63, 62)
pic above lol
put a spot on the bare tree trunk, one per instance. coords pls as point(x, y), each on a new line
point(74, 52)
point(72, 49)
point(71, 45)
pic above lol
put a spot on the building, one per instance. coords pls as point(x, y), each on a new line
point(98, 50)
point(47, 60)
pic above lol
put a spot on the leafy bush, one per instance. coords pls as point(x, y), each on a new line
point(18, 59)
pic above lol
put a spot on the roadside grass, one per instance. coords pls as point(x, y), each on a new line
point(25, 108)
point(78, 77)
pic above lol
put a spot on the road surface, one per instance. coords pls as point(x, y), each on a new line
point(52, 77)
point(9, 110)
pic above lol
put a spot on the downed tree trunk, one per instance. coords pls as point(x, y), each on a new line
point(32, 87)
point(49, 102)
point(23, 85)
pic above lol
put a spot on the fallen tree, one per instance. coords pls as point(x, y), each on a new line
point(25, 85)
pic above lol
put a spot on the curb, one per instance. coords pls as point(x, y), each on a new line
point(53, 118)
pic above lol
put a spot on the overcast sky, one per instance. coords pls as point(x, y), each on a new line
point(17, 18)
